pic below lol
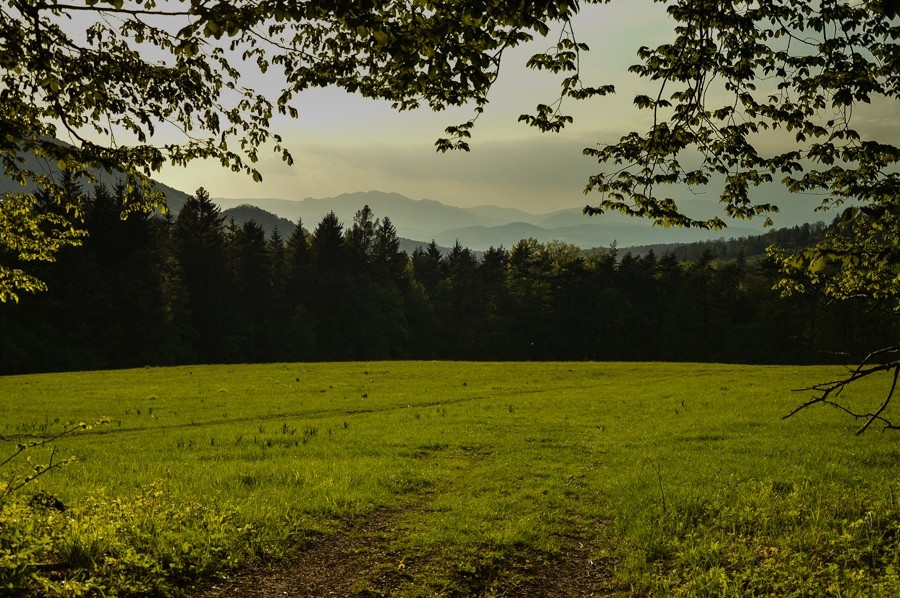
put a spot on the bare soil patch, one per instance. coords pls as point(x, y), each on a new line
point(574, 572)
point(358, 562)
point(329, 565)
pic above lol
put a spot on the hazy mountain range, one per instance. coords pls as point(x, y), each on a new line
point(419, 221)
point(175, 197)
point(269, 221)
point(480, 227)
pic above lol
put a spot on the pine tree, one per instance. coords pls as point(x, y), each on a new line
point(200, 247)
point(360, 238)
point(331, 291)
point(252, 291)
point(429, 267)
point(388, 262)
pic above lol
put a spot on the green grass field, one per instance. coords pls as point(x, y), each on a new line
point(680, 479)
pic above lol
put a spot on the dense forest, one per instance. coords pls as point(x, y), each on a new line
point(793, 238)
point(154, 289)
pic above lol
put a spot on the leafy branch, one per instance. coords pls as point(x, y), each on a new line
point(15, 483)
point(564, 57)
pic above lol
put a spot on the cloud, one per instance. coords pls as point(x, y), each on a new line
point(541, 161)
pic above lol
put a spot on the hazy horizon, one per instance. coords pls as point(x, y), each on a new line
point(796, 210)
point(343, 143)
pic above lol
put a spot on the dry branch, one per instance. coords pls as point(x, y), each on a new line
point(874, 363)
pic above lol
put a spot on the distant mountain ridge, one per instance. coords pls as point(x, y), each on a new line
point(174, 198)
point(269, 221)
point(482, 227)
point(419, 221)
point(478, 228)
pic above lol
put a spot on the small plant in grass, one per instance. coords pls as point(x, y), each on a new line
point(309, 432)
point(766, 539)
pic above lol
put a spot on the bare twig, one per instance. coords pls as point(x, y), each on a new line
point(22, 447)
point(828, 392)
point(38, 470)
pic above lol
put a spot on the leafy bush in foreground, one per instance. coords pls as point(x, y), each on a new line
point(145, 545)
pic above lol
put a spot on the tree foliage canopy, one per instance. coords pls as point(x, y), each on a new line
point(742, 76)
point(113, 77)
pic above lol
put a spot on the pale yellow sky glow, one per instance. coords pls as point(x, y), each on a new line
point(344, 143)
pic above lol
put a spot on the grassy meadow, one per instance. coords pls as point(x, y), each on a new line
point(680, 479)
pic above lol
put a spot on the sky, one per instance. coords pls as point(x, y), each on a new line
point(344, 143)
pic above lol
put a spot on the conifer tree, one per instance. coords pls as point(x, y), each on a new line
point(388, 261)
point(430, 267)
point(200, 248)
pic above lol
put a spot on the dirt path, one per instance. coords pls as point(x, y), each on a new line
point(358, 561)
point(574, 573)
point(333, 565)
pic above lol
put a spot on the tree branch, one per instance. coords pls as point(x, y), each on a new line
point(121, 11)
point(827, 392)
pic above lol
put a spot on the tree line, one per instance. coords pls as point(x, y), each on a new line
point(792, 238)
point(151, 289)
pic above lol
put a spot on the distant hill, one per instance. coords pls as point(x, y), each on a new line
point(267, 220)
point(570, 217)
point(415, 219)
point(502, 214)
point(586, 235)
point(506, 235)
point(749, 247)
point(481, 227)
point(174, 198)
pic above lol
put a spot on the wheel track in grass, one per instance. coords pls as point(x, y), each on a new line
point(365, 557)
point(359, 561)
point(326, 565)
point(573, 572)
point(313, 414)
